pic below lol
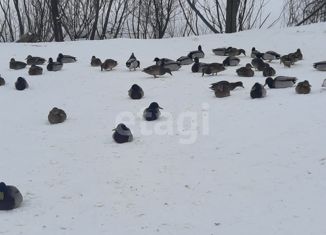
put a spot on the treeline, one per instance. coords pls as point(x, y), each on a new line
point(58, 20)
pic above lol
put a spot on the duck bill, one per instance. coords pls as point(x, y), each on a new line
point(160, 107)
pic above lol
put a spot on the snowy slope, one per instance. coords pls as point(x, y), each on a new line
point(260, 169)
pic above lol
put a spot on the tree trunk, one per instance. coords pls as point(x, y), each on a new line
point(57, 27)
point(97, 11)
point(232, 8)
point(20, 22)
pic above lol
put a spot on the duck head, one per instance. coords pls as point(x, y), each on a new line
point(154, 105)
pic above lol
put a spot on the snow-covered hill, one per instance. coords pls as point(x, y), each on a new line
point(208, 166)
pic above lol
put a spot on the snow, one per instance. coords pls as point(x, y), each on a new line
point(208, 166)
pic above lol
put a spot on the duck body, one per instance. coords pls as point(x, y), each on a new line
point(271, 55)
point(269, 72)
point(2, 81)
point(54, 66)
point(258, 64)
point(232, 85)
point(280, 82)
point(95, 62)
point(232, 51)
point(257, 91)
point(57, 116)
point(35, 60)
point(199, 53)
point(185, 60)
point(255, 53)
point(198, 67)
point(171, 65)
point(21, 84)
point(66, 58)
point(220, 51)
point(136, 92)
point(132, 62)
point(108, 64)
point(122, 134)
point(303, 87)
point(231, 61)
point(245, 71)
point(13, 64)
point(321, 65)
point(213, 68)
point(10, 197)
point(152, 112)
point(156, 70)
point(35, 70)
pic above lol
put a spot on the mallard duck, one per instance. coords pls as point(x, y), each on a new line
point(255, 53)
point(136, 92)
point(258, 64)
point(35, 60)
point(66, 58)
point(220, 51)
point(54, 66)
point(132, 62)
point(321, 66)
point(270, 56)
point(245, 71)
point(156, 70)
point(108, 64)
point(303, 87)
point(152, 112)
point(232, 51)
point(269, 71)
point(198, 67)
point(2, 81)
point(169, 64)
point(288, 60)
point(10, 197)
point(21, 84)
point(13, 64)
point(56, 116)
point(231, 61)
point(213, 68)
point(298, 54)
point(257, 91)
point(122, 134)
point(159, 61)
point(223, 88)
point(232, 85)
point(95, 62)
point(35, 70)
point(199, 53)
point(280, 82)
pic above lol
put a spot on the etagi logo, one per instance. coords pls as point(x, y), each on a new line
point(186, 125)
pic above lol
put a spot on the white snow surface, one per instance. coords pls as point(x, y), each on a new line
point(260, 169)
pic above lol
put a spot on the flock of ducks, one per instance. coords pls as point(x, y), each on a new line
point(11, 198)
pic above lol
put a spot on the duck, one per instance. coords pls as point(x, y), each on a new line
point(270, 56)
point(257, 91)
point(10, 197)
point(213, 68)
point(66, 58)
point(152, 112)
point(269, 71)
point(157, 70)
point(35, 60)
point(135, 92)
point(220, 51)
point(303, 87)
point(258, 64)
point(185, 60)
point(108, 64)
point(245, 71)
point(56, 116)
point(35, 70)
point(232, 85)
point(323, 85)
point(95, 62)
point(21, 84)
point(132, 62)
point(287, 60)
point(13, 64)
point(321, 65)
point(198, 67)
point(232, 51)
point(122, 134)
point(159, 61)
point(231, 61)
point(172, 65)
point(280, 82)
point(255, 53)
point(298, 54)
point(199, 53)
point(223, 88)
point(54, 66)
point(2, 81)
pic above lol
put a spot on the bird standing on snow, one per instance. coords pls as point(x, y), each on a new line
point(257, 91)
point(95, 62)
point(132, 62)
point(10, 197)
point(157, 70)
point(198, 67)
point(108, 64)
point(136, 92)
point(152, 112)
point(122, 134)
